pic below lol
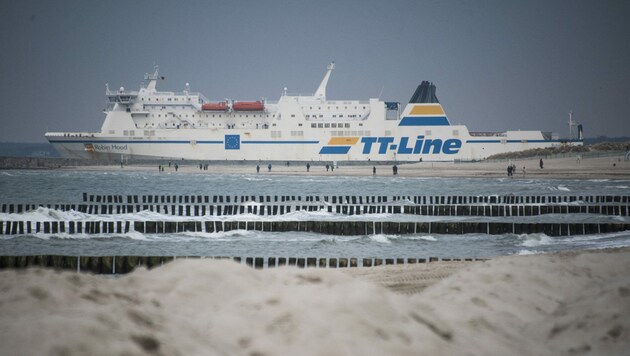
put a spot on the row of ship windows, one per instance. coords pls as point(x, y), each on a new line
point(334, 116)
point(201, 116)
point(274, 134)
point(200, 124)
point(328, 108)
point(296, 133)
point(254, 115)
point(351, 133)
point(330, 125)
point(168, 99)
point(278, 134)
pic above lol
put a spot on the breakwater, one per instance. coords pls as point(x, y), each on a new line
point(359, 199)
point(106, 208)
point(126, 264)
point(345, 209)
point(342, 228)
point(220, 205)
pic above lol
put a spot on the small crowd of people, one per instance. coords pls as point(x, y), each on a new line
point(511, 169)
point(329, 168)
point(161, 167)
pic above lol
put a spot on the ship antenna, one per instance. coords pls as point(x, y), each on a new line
point(152, 78)
point(571, 124)
point(321, 90)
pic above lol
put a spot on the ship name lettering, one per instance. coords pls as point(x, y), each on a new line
point(112, 147)
point(421, 145)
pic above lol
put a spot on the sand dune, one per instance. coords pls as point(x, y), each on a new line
point(568, 303)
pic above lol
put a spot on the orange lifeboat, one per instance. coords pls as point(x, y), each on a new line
point(222, 106)
point(248, 106)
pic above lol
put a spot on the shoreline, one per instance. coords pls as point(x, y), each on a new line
point(556, 168)
point(598, 167)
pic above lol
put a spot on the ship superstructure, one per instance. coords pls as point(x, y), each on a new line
point(156, 124)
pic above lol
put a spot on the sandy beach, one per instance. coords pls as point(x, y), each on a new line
point(613, 167)
point(556, 304)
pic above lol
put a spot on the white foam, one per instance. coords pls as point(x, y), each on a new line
point(382, 238)
point(534, 240)
point(46, 214)
point(527, 252)
point(422, 237)
point(219, 234)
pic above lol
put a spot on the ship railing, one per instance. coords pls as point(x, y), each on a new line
point(170, 93)
point(347, 102)
point(70, 134)
point(299, 94)
point(120, 92)
point(488, 134)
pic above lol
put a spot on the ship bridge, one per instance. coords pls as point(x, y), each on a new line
point(121, 96)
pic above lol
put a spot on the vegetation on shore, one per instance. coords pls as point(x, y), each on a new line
point(563, 149)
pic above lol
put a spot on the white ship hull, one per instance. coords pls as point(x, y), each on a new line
point(165, 125)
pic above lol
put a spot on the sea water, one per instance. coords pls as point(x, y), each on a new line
point(68, 186)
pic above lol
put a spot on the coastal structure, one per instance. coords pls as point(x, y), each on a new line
point(156, 124)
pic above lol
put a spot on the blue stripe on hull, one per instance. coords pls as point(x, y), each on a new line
point(181, 142)
point(521, 141)
point(280, 142)
point(424, 121)
point(334, 150)
point(134, 141)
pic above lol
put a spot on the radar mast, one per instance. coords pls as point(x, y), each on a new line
point(321, 90)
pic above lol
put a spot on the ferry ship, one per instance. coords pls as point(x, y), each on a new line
point(152, 124)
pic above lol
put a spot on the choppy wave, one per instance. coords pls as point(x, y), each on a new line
point(534, 240)
point(536, 243)
point(65, 185)
point(381, 238)
point(42, 214)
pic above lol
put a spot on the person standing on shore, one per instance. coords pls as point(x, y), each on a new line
point(258, 168)
point(308, 167)
point(269, 167)
point(374, 170)
point(541, 163)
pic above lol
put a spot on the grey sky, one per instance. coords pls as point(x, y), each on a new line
point(497, 65)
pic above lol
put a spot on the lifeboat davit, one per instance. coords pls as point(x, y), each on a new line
point(248, 106)
point(222, 106)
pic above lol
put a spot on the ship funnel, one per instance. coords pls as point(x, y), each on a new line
point(425, 94)
point(321, 90)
